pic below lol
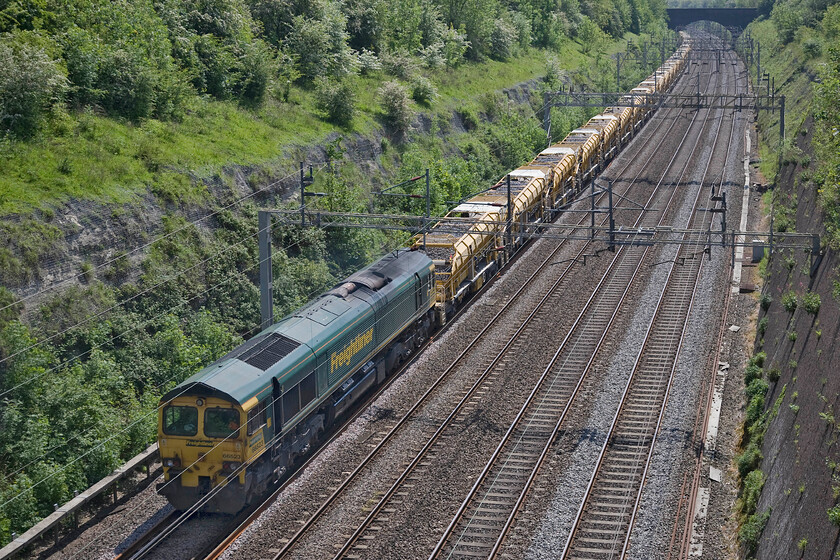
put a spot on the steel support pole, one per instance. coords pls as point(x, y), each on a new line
point(592, 205)
point(428, 209)
point(302, 197)
point(618, 71)
point(547, 118)
point(782, 119)
point(266, 284)
point(612, 219)
point(509, 216)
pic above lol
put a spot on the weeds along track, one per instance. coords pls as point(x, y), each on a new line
point(604, 522)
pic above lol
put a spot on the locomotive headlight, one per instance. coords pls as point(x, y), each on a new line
point(230, 466)
point(172, 462)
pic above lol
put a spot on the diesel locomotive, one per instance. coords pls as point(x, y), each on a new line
point(226, 433)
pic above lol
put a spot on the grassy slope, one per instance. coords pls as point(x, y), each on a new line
point(91, 157)
point(794, 74)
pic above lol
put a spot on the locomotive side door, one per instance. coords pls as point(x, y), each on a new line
point(277, 410)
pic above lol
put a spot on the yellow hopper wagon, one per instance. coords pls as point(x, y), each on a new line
point(464, 248)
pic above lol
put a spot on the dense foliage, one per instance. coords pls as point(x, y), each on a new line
point(827, 137)
point(150, 58)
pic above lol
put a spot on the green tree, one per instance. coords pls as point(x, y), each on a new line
point(319, 44)
point(30, 84)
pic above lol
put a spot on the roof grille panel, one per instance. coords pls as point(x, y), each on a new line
point(268, 351)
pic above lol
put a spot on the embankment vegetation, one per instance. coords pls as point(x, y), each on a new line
point(799, 48)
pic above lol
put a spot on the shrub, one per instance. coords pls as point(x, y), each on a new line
point(834, 515)
point(395, 103)
point(368, 62)
point(762, 326)
point(423, 91)
point(10, 306)
point(87, 271)
point(30, 84)
point(790, 301)
point(400, 65)
point(811, 302)
point(757, 387)
point(432, 55)
point(749, 459)
point(751, 530)
point(753, 483)
point(455, 45)
point(751, 373)
point(522, 25)
point(758, 358)
point(787, 20)
point(502, 39)
point(754, 409)
point(791, 336)
point(553, 73)
point(765, 300)
point(320, 44)
point(336, 99)
point(774, 373)
point(812, 47)
point(256, 66)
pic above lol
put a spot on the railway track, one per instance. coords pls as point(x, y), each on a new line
point(684, 517)
point(547, 303)
point(489, 510)
point(604, 522)
point(547, 306)
point(552, 395)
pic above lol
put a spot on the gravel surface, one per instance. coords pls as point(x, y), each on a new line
point(108, 534)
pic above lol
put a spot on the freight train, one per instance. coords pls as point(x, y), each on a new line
point(232, 429)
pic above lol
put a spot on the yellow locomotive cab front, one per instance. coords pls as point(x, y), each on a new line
point(202, 451)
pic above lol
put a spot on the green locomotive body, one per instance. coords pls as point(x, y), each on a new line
point(230, 430)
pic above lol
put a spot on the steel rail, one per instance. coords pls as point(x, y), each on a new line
point(485, 512)
point(430, 443)
point(703, 421)
point(694, 271)
point(688, 311)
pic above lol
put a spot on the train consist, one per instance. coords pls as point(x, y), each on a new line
point(226, 433)
point(477, 237)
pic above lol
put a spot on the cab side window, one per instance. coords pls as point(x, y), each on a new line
point(256, 417)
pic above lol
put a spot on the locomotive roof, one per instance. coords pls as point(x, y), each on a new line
point(247, 370)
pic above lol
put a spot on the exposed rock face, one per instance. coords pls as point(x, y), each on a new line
point(89, 235)
point(801, 449)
